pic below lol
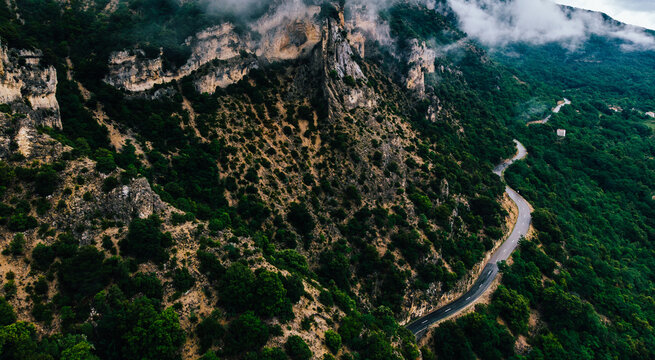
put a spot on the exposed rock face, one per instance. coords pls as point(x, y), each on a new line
point(421, 62)
point(345, 81)
point(287, 32)
point(133, 71)
point(223, 56)
point(222, 73)
point(29, 87)
point(134, 200)
point(124, 203)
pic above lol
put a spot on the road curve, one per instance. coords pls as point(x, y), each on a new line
point(490, 270)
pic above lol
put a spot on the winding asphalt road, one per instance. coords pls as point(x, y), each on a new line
point(490, 270)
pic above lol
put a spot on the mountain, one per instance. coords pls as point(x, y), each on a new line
point(300, 179)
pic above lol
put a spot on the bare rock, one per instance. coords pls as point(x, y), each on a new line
point(29, 87)
point(134, 200)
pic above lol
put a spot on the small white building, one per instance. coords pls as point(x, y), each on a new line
point(561, 132)
point(651, 114)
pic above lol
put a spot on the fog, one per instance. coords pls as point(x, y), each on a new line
point(497, 23)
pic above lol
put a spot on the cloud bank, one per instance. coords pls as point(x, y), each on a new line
point(498, 23)
point(635, 12)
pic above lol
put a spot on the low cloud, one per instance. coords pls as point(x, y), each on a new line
point(237, 7)
point(497, 23)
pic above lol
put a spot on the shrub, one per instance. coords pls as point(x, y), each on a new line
point(235, 288)
point(147, 284)
point(146, 242)
point(270, 293)
point(349, 80)
point(333, 341)
point(247, 332)
point(220, 223)
point(45, 181)
point(83, 274)
point(21, 222)
point(41, 286)
point(297, 348)
point(300, 218)
point(182, 280)
point(210, 265)
point(17, 245)
point(209, 331)
point(109, 184)
point(104, 161)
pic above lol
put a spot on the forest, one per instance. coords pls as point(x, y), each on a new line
point(585, 277)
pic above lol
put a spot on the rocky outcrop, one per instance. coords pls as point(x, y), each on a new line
point(29, 87)
point(345, 83)
point(133, 200)
point(421, 62)
point(222, 55)
point(220, 74)
point(131, 70)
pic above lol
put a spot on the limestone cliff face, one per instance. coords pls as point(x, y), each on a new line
point(220, 56)
point(131, 70)
point(289, 31)
point(421, 62)
point(29, 87)
point(345, 82)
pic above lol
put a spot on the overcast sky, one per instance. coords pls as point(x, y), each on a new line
point(635, 12)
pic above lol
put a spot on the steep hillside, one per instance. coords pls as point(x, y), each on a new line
point(297, 179)
point(255, 180)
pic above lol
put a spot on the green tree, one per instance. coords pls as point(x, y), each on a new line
point(269, 292)
point(301, 218)
point(297, 348)
point(333, 340)
point(42, 257)
point(7, 314)
point(135, 329)
point(145, 241)
point(513, 307)
point(104, 161)
point(80, 351)
point(83, 274)
point(210, 331)
point(235, 289)
point(247, 332)
point(18, 341)
point(182, 280)
point(46, 181)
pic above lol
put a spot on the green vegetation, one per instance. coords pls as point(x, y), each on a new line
point(145, 241)
point(385, 201)
point(585, 275)
point(297, 349)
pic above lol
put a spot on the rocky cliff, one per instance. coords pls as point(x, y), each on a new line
point(420, 62)
point(28, 89)
point(29, 86)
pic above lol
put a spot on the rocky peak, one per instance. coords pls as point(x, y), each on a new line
point(345, 82)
